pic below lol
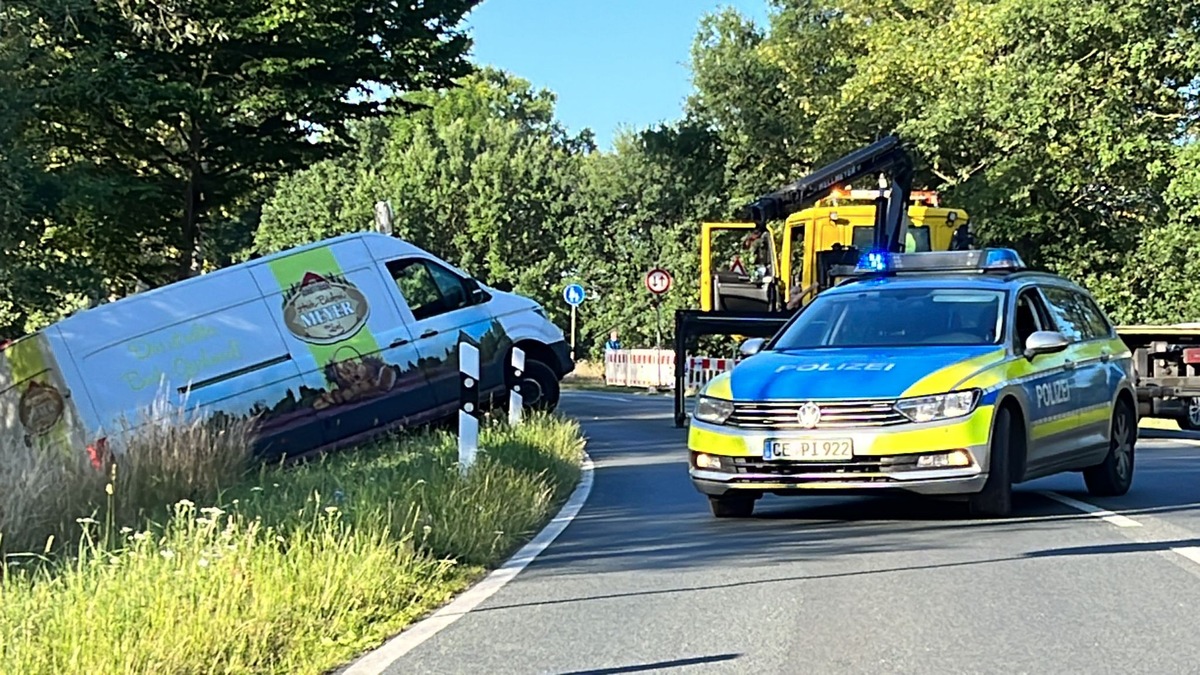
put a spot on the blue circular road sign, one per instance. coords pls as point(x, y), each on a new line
point(574, 295)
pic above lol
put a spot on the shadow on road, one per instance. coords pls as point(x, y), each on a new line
point(660, 665)
point(1125, 547)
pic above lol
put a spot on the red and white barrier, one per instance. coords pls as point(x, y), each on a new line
point(656, 368)
point(701, 369)
point(639, 368)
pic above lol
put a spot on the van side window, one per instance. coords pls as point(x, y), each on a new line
point(427, 287)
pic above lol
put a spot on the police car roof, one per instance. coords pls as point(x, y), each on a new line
point(936, 279)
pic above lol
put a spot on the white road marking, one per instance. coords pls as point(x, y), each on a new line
point(378, 660)
point(1190, 552)
point(1102, 514)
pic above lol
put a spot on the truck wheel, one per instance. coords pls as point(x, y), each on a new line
point(539, 387)
point(1190, 421)
point(995, 500)
point(1113, 476)
point(731, 506)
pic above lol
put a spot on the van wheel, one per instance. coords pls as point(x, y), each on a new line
point(539, 387)
point(1113, 476)
point(995, 499)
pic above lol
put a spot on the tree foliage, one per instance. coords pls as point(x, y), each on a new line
point(157, 122)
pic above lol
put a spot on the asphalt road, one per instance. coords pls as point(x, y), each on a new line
point(645, 580)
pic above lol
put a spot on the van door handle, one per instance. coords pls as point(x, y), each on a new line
point(399, 342)
point(429, 333)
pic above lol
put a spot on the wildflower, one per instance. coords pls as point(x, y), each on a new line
point(85, 521)
point(126, 530)
point(256, 488)
point(203, 562)
point(427, 529)
point(167, 553)
point(113, 560)
point(331, 510)
point(108, 489)
point(186, 503)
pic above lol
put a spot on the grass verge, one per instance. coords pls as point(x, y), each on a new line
point(297, 571)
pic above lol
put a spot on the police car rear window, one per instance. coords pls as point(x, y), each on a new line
point(898, 317)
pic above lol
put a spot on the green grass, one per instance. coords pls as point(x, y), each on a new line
point(297, 571)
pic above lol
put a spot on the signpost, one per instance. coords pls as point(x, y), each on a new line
point(574, 296)
point(658, 281)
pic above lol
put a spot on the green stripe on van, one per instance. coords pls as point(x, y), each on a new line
point(291, 271)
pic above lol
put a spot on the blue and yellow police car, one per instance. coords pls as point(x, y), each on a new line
point(950, 373)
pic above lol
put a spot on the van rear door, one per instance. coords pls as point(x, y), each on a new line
point(36, 406)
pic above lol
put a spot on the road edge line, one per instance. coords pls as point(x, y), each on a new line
point(1103, 514)
point(377, 660)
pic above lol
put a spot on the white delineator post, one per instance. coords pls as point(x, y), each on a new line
point(515, 400)
point(468, 409)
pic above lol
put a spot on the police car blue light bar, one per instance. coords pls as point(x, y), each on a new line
point(982, 260)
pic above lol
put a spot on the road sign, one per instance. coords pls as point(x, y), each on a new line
point(574, 295)
point(658, 281)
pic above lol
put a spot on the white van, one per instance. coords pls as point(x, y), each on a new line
point(325, 343)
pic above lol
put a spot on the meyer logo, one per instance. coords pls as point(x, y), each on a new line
point(324, 310)
point(40, 408)
point(830, 367)
point(1053, 393)
point(809, 415)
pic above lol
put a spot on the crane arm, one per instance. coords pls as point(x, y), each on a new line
point(885, 156)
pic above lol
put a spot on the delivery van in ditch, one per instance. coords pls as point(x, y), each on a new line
point(320, 345)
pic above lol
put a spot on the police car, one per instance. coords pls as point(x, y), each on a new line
point(951, 373)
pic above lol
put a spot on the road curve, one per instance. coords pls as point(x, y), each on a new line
point(645, 580)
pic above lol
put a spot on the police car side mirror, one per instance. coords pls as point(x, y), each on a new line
point(1045, 342)
point(751, 347)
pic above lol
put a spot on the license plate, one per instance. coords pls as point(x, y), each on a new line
point(810, 450)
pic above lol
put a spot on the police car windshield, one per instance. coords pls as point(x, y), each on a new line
point(894, 317)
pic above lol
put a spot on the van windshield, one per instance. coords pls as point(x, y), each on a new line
point(898, 317)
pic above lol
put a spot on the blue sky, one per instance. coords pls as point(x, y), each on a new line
point(612, 63)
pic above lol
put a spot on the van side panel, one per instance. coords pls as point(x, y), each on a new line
point(357, 358)
point(215, 348)
point(36, 406)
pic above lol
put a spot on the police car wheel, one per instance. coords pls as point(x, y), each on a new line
point(731, 506)
point(539, 387)
point(995, 499)
point(1113, 476)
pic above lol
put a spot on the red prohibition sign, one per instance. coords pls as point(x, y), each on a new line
point(658, 281)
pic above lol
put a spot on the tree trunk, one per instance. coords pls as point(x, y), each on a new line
point(189, 254)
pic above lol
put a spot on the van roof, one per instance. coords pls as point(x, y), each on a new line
point(399, 245)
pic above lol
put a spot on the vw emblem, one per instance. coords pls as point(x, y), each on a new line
point(809, 415)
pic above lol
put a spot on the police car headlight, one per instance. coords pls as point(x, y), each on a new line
point(713, 410)
point(940, 407)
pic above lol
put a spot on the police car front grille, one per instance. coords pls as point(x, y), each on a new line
point(868, 468)
point(834, 415)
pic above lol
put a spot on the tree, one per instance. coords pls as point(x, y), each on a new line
point(483, 176)
point(183, 111)
point(1054, 123)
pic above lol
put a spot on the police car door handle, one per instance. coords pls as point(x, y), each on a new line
point(429, 333)
point(399, 342)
